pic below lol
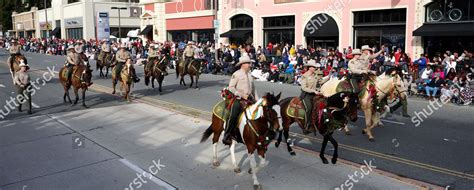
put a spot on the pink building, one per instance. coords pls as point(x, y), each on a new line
point(339, 23)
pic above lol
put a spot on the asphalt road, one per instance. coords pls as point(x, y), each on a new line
point(439, 151)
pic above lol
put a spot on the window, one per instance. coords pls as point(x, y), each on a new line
point(72, 1)
point(380, 16)
point(241, 21)
point(279, 22)
point(450, 11)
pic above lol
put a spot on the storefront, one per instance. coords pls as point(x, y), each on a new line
point(241, 30)
point(322, 31)
point(380, 27)
point(279, 30)
point(198, 29)
point(192, 35)
point(74, 28)
point(447, 26)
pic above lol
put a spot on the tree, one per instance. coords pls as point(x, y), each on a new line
point(8, 6)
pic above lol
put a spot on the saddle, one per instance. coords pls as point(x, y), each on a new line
point(296, 109)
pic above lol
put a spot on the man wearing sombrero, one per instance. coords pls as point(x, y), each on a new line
point(14, 51)
point(310, 84)
point(359, 65)
point(188, 55)
point(122, 57)
point(104, 50)
point(22, 81)
point(242, 86)
point(72, 59)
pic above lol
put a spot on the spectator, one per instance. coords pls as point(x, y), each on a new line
point(433, 86)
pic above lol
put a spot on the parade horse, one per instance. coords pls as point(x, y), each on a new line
point(125, 79)
point(15, 66)
point(81, 79)
point(373, 98)
point(156, 69)
point(100, 65)
point(194, 70)
point(328, 114)
point(257, 126)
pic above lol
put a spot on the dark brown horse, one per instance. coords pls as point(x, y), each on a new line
point(81, 79)
point(104, 64)
point(156, 69)
point(194, 70)
point(256, 134)
point(338, 106)
point(15, 66)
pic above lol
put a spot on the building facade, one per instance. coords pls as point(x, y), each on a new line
point(76, 19)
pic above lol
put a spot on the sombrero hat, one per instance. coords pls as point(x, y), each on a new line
point(366, 47)
point(356, 52)
point(244, 59)
point(311, 63)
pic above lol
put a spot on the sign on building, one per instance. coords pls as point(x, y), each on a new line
point(102, 25)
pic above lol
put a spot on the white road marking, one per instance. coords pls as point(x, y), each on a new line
point(137, 169)
point(388, 121)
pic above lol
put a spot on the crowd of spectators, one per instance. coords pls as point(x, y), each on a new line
point(449, 74)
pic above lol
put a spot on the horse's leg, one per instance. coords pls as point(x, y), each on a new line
point(67, 93)
point(160, 82)
point(153, 81)
point(127, 92)
point(114, 83)
point(335, 145)
point(215, 139)
point(232, 155)
point(84, 97)
point(323, 148)
point(192, 81)
point(197, 79)
point(76, 92)
point(289, 142)
point(253, 170)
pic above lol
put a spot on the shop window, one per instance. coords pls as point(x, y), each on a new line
point(380, 16)
point(450, 11)
point(241, 21)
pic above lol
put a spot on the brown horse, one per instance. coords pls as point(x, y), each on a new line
point(338, 107)
point(194, 70)
point(125, 78)
point(256, 134)
point(81, 79)
point(156, 70)
point(100, 65)
point(15, 66)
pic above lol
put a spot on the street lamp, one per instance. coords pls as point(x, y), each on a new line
point(119, 8)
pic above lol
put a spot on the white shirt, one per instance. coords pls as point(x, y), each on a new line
point(426, 74)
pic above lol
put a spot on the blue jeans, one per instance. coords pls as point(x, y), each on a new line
point(428, 89)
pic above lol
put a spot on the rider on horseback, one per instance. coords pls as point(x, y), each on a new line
point(311, 82)
point(242, 86)
point(14, 51)
point(359, 66)
point(188, 55)
point(122, 57)
point(105, 51)
point(72, 60)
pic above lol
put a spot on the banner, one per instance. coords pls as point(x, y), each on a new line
point(102, 25)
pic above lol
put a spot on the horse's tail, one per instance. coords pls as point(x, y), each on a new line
point(207, 134)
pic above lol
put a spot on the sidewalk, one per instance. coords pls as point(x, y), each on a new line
point(120, 141)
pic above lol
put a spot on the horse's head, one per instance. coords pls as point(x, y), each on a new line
point(87, 75)
point(20, 59)
point(345, 101)
point(270, 115)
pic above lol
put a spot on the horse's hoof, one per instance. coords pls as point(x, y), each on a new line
point(363, 132)
point(237, 170)
point(371, 139)
point(306, 132)
point(250, 171)
point(293, 153)
point(113, 92)
point(333, 160)
point(325, 161)
point(216, 164)
point(348, 133)
point(277, 144)
point(257, 187)
point(85, 106)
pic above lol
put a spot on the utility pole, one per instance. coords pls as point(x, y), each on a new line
point(47, 23)
point(216, 32)
point(119, 8)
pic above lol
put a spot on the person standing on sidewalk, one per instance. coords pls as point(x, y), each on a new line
point(22, 81)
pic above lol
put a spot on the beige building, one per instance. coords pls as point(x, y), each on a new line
point(76, 19)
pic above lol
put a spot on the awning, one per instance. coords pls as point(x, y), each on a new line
point(56, 32)
point(321, 25)
point(133, 33)
point(236, 33)
point(445, 29)
point(146, 30)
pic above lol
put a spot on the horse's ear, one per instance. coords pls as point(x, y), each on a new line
point(278, 96)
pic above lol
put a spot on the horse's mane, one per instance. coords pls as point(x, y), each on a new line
point(397, 71)
point(272, 99)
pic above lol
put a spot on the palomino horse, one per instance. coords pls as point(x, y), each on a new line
point(372, 100)
point(256, 134)
point(15, 66)
point(156, 70)
point(104, 64)
point(81, 79)
point(194, 70)
point(334, 108)
point(125, 79)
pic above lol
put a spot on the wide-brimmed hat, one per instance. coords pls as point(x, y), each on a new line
point(312, 63)
point(366, 47)
point(356, 52)
point(244, 59)
point(70, 47)
point(190, 43)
